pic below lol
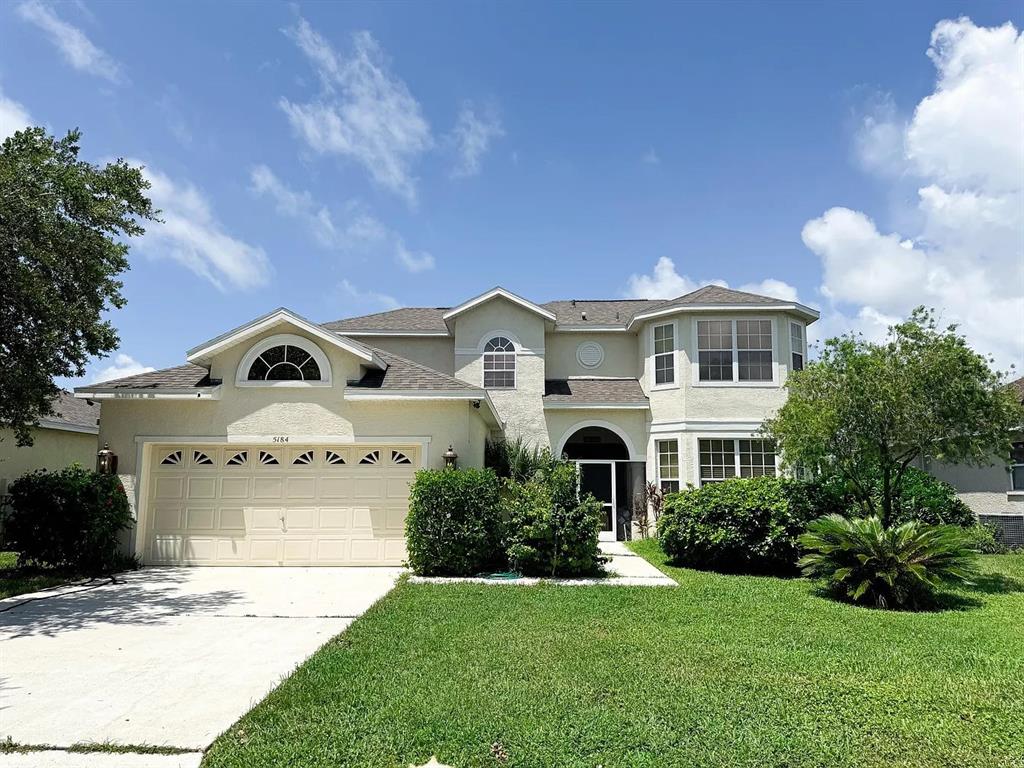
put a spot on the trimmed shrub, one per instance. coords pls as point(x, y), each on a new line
point(68, 519)
point(454, 526)
point(898, 567)
point(740, 525)
point(550, 531)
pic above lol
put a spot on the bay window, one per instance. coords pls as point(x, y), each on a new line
point(723, 458)
point(735, 350)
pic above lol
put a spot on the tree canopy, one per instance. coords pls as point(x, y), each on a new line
point(63, 229)
point(866, 411)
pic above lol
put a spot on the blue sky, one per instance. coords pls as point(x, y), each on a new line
point(340, 159)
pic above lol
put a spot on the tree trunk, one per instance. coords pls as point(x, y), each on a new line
point(886, 496)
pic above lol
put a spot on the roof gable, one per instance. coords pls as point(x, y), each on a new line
point(281, 316)
point(496, 293)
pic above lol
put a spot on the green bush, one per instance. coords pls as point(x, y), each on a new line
point(741, 525)
point(986, 539)
point(550, 531)
point(922, 497)
point(454, 526)
point(68, 519)
point(896, 567)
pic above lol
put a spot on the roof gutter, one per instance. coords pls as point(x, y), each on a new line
point(806, 312)
point(163, 393)
point(475, 396)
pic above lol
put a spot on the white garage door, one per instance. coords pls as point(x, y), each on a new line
point(270, 505)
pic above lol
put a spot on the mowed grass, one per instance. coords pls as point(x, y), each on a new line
point(19, 581)
point(721, 671)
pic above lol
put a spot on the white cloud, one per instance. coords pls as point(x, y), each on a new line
point(192, 235)
point(965, 253)
point(666, 283)
point(13, 116)
point(879, 142)
point(78, 49)
point(363, 111)
point(413, 262)
point(650, 157)
point(123, 365)
point(473, 135)
point(367, 299)
point(358, 229)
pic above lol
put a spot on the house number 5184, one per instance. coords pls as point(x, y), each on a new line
point(280, 439)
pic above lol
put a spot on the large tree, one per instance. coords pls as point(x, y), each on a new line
point(63, 229)
point(866, 411)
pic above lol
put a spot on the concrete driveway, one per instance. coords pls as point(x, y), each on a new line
point(167, 656)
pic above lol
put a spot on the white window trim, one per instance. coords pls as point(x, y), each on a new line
point(695, 356)
point(1011, 491)
point(674, 384)
point(677, 439)
point(735, 437)
point(803, 351)
point(516, 351)
point(242, 372)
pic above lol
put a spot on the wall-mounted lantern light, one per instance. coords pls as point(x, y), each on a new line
point(106, 461)
point(451, 458)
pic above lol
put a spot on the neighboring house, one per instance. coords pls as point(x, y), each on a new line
point(288, 442)
point(994, 492)
point(66, 437)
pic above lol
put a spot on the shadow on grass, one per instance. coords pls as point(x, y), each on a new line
point(963, 597)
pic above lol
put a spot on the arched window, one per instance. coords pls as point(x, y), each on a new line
point(284, 363)
point(499, 364)
point(284, 360)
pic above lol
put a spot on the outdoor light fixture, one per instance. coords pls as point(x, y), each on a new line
point(450, 458)
point(106, 461)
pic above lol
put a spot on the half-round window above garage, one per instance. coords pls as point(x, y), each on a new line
point(285, 362)
point(590, 354)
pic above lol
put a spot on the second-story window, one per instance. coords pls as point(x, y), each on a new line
point(735, 350)
point(754, 345)
point(714, 349)
point(499, 364)
point(664, 354)
point(796, 343)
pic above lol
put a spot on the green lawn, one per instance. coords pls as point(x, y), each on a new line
point(19, 581)
point(721, 671)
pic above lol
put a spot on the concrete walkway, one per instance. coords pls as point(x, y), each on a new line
point(166, 657)
point(624, 569)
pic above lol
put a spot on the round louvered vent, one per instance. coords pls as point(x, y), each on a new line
point(590, 354)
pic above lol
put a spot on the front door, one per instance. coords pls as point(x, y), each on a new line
point(598, 479)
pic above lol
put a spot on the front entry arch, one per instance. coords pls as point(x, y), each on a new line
point(603, 457)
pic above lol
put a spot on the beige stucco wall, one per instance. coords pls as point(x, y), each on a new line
point(621, 356)
point(432, 351)
point(522, 408)
point(52, 449)
point(986, 489)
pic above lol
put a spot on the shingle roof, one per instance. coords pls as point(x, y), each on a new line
point(67, 409)
point(598, 312)
point(405, 319)
point(187, 375)
point(404, 374)
point(610, 391)
point(615, 312)
point(1019, 386)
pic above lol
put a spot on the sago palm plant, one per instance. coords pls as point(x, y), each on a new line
point(896, 567)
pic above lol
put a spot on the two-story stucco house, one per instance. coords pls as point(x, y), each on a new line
point(288, 442)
